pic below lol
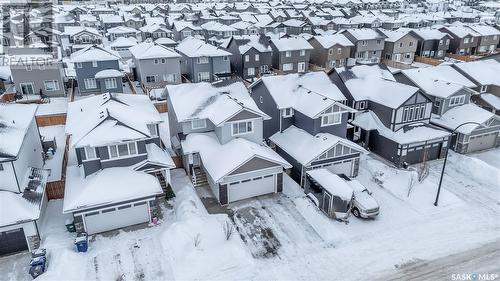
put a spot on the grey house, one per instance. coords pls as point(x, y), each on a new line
point(112, 151)
point(400, 46)
point(156, 65)
point(203, 62)
point(464, 40)
point(330, 50)
point(210, 125)
point(308, 124)
point(184, 29)
point(490, 37)
point(97, 70)
point(432, 43)
point(37, 74)
point(452, 106)
point(393, 118)
point(368, 44)
point(291, 55)
point(75, 38)
point(250, 57)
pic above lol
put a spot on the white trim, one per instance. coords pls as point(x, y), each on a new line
point(196, 128)
point(339, 113)
point(246, 125)
point(128, 151)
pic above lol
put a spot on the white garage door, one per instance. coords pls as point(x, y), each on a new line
point(481, 142)
point(113, 218)
point(250, 188)
point(342, 168)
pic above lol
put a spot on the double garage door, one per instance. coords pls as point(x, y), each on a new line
point(482, 142)
point(247, 188)
point(12, 241)
point(116, 217)
point(341, 167)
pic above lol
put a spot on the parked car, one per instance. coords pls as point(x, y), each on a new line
point(364, 205)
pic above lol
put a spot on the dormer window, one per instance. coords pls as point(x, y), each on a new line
point(198, 124)
point(241, 128)
point(153, 130)
point(329, 117)
point(457, 100)
point(288, 112)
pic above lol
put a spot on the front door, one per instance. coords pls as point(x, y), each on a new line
point(327, 199)
point(27, 89)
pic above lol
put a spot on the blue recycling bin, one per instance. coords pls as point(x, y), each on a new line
point(38, 263)
point(82, 242)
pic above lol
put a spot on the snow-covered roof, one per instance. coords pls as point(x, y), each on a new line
point(291, 44)
point(121, 30)
point(15, 120)
point(216, 26)
point(460, 114)
point(221, 159)
point(412, 133)
point(121, 184)
point(365, 34)
point(328, 41)
point(492, 100)
point(310, 93)
point(110, 118)
point(193, 47)
point(485, 30)
point(205, 101)
point(462, 31)
point(430, 34)
point(94, 53)
point(123, 42)
point(332, 183)
point(151, 50)
point(108, 73)
point(305, 147)
point(483, 71)
point(74, 30)
point(394, 35)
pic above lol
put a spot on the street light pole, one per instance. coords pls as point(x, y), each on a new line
point(446, 158)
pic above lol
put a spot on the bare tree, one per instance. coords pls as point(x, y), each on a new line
point(228, 229)
point(423, 168)
point(411, 182)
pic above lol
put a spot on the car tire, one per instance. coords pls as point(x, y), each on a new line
point(355, 212)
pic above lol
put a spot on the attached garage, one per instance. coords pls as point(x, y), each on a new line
point(12, 241)
point(342, 167)
point(482, 142)
point(116, 217)
point(251, 187)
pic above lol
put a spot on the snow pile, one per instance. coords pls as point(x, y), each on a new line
point(196, 238)
point(474, 168)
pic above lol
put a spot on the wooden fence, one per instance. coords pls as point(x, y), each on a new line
point(460, 57)
point(427, 60)
point(51, 120)
point(55, 189)
point(178, 161)
point(396, 64)
point(161, 107)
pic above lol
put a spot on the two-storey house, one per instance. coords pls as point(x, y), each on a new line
point(97, 70)
point(250, 57)
point(121, 31)
point(368, 44)
point(291, 54)
point(75, 38)
point(490, 37)
point(451, 95)
point(203, 62)
point(156, 65)
point(432, 43)
point(464, 40)
point(393, 118)
point(400, 46)
point(22, 179)
point(330, 50)
point(308, 123)
point(218, 131)
point(117, 165)
point(185, 29)
point(155, 31)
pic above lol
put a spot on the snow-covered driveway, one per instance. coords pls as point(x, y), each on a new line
point(271, 226)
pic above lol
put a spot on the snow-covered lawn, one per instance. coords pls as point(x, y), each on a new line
point(284, 236)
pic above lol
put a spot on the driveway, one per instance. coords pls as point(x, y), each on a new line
point(270, 226)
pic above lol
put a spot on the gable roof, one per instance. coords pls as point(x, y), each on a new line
point(291, 44)
point(15, 120)
point(193, 47)
point(151, 50)
point(328, 41)
point(484, 72)
point(94, 53)
point(205, 101)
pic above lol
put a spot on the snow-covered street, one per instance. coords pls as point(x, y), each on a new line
point(285, 236)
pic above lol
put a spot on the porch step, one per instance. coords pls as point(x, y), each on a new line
point(199, 177)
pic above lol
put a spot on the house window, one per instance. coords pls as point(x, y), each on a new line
point(437, 103)
point(156, 61)
point(94, 63)
point(29, 68)
point(457, 100)
point(288, 112)
point(163, 61)
point(287, 66)
point(78, 65)
point(251, 71)
point(247, 58)
point(339, 51)
point(90, 153)
point(1, 167)
point(203, 76)
point(151, 78)
point(363, 43)
point(401, 44)
point(186, 33)
point(330, 51)
point(495, 37)
point(466, 40)
point(198, 124)
point(484, 88)
point(153, 129)
point(202, 60)
point(362, 105)
point(288, 54)
point(172, 78)
point(241, 128)
point(90, 83)
point(110, 83)
point(257, 57)
point(329, 117)
point(41, 66)
point(440, 42)
point(261, 99)
point(51, 85)
point(447, 41)
point(225, 58)
point(302, 53)
point(122, 150)
point(410, 44)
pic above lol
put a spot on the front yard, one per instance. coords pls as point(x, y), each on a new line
point(284, 236)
